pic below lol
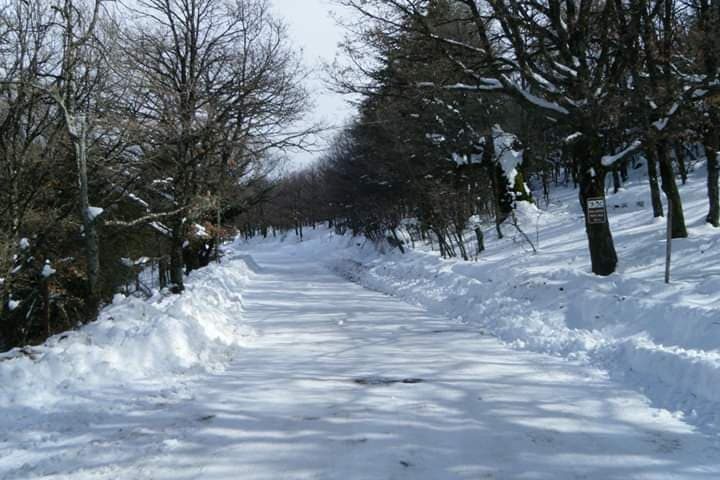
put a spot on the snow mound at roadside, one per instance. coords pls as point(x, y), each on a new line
point(135, 339)
point(646, 343)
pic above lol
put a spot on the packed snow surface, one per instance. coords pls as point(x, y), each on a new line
point(315, 377)
point(661, 339)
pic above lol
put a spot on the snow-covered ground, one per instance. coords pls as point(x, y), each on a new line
point(280, 364)
point(661, 339)
point(62, 404)
point(338, 382)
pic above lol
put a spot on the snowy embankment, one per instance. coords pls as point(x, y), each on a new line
point(134, 340)
point(662, 339)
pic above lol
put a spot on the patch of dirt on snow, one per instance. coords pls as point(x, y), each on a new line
point(374, 381)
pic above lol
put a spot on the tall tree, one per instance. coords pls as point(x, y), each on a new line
point(219, 84)
point(557, 59)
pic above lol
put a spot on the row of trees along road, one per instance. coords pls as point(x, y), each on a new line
point(456, 92)
point(123, 126)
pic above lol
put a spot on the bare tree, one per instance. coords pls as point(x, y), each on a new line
point(28, 128)
point(220, 89)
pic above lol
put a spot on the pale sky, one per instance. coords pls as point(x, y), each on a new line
point(314, 30)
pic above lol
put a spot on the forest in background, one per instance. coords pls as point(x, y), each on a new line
point(469, 106)
point(130, 134)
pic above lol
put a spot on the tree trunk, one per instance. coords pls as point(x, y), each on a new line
point(177, 273)
point(709, 14)
point(680, 155)
point(162, 273)
point(616, 180)
point(445, 249)
point(657, 207)
point(669, 186)
point(398, 243)
point(480, 240)
point(624, 171)
point(713, 176)
point(177, 263)
point(712, 150)
point(668, 240)
point(45, 289)
point(75, 124)
point(502, 196)
point(218, 224)
point(92, 249)
point(8, 256)
point(600, 242)
point(603, 256)
point(575, 175)
point(461, 244)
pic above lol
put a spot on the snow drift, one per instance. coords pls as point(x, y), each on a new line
point(135, 339)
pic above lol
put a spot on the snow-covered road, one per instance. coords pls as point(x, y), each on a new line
point(348, 384)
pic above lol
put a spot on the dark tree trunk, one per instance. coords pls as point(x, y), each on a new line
point(669, 186)
point(502, 196)
point(162, 273)
point(709, 13)
point(447, 238)
point(177, 273)
point(480, 240)
point(92, 256)
point(45, 289)
point(461, 244)
point(90, 223)
point(575, 175)
point(680, 155)
point(398, 242)
point(503, 193)
point(565, 164)
point(600, 242)
point(616, 180)
point(446, 250)
point(177, 262)
point(624, 171)
point(713, 176)
point(603, 256)
point(712, 150)
point(653, 179)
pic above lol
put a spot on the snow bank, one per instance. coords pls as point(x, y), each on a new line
point(135, 339)
point(663, 339)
